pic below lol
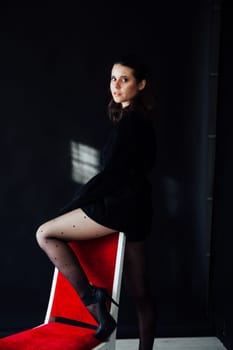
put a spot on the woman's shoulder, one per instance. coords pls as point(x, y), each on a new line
point(134, 126)
point(135, 120)
point(134, 117)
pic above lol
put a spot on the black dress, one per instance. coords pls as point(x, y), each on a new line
point(119, 196)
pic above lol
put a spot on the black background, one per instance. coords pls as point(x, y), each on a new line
point(55, 67)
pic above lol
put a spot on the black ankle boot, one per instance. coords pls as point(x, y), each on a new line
point(107, 324)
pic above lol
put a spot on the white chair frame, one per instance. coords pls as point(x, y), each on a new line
point(111, 343)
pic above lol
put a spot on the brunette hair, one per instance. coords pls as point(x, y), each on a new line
point(145, 100)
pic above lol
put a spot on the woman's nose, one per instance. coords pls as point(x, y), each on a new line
point(117, 84)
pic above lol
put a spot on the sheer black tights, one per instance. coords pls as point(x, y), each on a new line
point(53, 238)
point(138, 288)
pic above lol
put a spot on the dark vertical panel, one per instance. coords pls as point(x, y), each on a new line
point(181, 217)
point(222, 261)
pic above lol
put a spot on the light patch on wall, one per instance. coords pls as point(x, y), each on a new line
point(85, 162)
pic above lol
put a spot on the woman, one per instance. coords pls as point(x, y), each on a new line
point(116, 199)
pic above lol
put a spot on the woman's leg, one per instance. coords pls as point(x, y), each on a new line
point(135, 278)
point(53, 237)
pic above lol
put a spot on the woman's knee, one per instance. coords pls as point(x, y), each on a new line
point(42, 234)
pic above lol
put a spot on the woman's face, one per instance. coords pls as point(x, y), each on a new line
point(124, 86)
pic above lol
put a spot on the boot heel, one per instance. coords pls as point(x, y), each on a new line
point(107, 324)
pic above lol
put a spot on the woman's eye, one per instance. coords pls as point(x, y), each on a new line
point(124, 80)
point(113, 79)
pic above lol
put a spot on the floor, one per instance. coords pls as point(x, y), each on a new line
point(204, 343)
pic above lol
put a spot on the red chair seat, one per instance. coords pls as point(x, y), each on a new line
point(98, 259)
point(51, 336)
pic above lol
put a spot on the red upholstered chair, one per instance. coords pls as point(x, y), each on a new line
point(66, 317)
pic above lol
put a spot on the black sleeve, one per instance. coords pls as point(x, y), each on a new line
point(124, 144)
point(128, 153)
point(132, 152)
point(117, 158)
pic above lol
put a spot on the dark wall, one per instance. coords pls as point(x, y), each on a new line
point(222, 260)
point(54, 64)
point(181, 241)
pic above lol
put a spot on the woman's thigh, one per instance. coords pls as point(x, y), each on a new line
point(75, 225)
